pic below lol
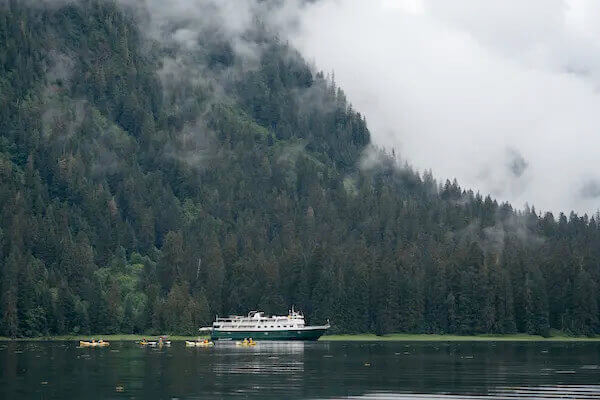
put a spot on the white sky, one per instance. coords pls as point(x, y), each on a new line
point(471, 88)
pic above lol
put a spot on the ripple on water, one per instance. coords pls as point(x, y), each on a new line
point(578, 392)
point(593, 366)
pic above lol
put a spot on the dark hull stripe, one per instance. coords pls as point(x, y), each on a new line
point(308, 334)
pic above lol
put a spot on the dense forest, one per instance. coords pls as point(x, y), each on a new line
point(148, 184)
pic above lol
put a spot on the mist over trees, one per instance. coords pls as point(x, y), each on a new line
point(146, 186)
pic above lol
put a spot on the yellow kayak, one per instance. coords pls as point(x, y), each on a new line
point(100, 343)
point(245, 343)
point(198, 344)
point(154, 343)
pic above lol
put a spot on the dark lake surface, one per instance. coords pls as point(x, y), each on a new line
point(287, 370)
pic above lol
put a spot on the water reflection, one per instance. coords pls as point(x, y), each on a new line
point(269, 347)
point(272, 358)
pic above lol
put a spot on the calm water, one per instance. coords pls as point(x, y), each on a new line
point(400, 370)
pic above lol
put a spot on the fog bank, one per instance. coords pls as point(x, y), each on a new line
point(503, 96)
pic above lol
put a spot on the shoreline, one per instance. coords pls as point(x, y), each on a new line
point(405, 337)
point(394, 337)
point(108, 338)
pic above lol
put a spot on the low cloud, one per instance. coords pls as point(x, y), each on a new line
point(516, 163)
point(453, 85)
point(590, 189)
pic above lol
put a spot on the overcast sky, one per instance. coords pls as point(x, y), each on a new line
point(503, 95)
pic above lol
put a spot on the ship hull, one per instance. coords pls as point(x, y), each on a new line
point(291, 334)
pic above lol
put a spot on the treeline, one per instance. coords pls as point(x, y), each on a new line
point(146, 187)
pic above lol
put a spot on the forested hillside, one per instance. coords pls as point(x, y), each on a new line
point(147, 185)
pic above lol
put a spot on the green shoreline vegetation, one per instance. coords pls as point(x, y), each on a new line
point(399, 337)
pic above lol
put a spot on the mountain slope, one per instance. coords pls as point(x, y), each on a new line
point(146, 185)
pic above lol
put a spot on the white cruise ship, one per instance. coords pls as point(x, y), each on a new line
point(260, 327)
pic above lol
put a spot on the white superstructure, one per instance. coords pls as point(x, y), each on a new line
point(258, 321)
